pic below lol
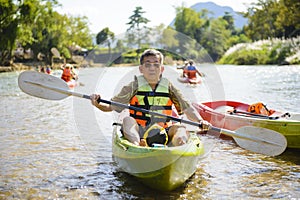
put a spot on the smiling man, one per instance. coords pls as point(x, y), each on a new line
point(151, 91)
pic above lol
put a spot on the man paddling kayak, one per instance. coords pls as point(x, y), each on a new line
point(153, 92)
point(190, 71)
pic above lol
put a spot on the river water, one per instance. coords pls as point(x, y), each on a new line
point(62, 149)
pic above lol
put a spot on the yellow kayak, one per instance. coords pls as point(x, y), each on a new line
point(161, 168)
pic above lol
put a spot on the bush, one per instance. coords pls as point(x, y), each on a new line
point(245, 57)
point(274, 51)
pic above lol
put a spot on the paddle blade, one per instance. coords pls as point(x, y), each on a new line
point(265, 141)
point(42, 85)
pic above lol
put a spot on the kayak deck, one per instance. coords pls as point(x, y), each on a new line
point(161, 168)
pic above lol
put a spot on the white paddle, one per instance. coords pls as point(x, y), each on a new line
point(256, 139)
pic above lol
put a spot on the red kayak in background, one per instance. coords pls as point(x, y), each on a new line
point(233, 115)
point(196, 80)
point(73, 83)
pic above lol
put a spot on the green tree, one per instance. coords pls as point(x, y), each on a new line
point(79, 32)
point(215, 39)
point(11, 13)
point(169, 39)
point(230, 22)
point(35, 25)
point(120, 47)
point(137, 27)
point(191, 23)
point(105, 35)
point(35, 30)
point(261, 24)
point(272, 18)
point(288, 19)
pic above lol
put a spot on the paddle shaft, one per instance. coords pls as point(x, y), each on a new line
point(262, 116)
point(223, 131)
point(252, 138)
point(71, 93)
point(253, 114)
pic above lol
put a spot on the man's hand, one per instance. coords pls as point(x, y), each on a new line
point(205, 125)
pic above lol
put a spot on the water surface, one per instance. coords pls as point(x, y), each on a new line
point(62, 149)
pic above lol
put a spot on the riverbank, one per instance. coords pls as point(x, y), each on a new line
point(15, 67)
point(34, 66)
point(26, 66)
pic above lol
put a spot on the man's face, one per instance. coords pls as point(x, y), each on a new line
point(151, 69)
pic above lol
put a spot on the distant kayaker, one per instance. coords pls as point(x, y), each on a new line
point(48, 69)
point(190, 71)
point(68, 73)
point(153, 92)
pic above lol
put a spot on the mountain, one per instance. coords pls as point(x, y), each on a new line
point(216, 11)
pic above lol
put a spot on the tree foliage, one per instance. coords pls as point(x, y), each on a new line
point(266, 19)
point(9, 21)
point(105, 35)
point(212, 34)
point(275, 19)
point(215, 39)
point(191, 23)
point(137, 30)
point(136, 20)
point(35, 25)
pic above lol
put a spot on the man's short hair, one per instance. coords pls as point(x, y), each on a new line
point(151, 52)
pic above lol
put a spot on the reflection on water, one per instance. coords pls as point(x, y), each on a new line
point(276, 86)
point(62, 149)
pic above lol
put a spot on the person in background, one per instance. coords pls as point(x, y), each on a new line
point(48, 69)
point(191, 71)
point(68, 73)
point(152, 91)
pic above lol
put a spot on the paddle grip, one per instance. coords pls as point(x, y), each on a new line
point(114, 103)
point(86, 96)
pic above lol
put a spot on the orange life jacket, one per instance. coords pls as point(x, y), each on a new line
point(157, 101)
point(260, 108)
point(66, 75)
point(191, 72)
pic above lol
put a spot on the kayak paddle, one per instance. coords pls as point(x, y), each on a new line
point(252, 114)
point(290, 116)
point(256, 139)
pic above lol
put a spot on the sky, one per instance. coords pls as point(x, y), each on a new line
point(114, 14)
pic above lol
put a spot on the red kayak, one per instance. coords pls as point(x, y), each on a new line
point(196, 80)
point(73, 83)
point(233, 115)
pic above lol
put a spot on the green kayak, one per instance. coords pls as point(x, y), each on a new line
point(161, 168)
